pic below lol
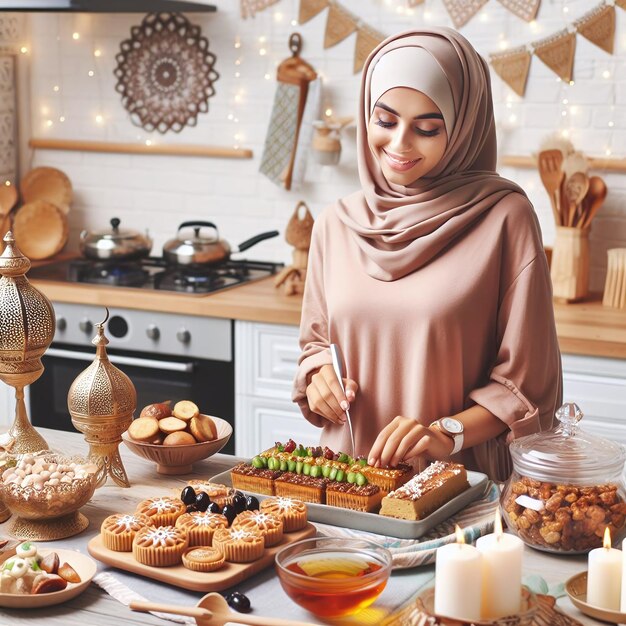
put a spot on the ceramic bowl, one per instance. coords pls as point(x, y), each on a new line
point(173, 460)
point(333, 577)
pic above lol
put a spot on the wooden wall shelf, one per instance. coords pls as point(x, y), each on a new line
point(607, 164)
point(221, 152)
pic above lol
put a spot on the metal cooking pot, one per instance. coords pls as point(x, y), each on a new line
point(205, 250)
point(115, 244)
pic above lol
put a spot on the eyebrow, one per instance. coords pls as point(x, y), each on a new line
point(424, 116)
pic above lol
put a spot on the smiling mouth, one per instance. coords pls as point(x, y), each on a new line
point(400, 165)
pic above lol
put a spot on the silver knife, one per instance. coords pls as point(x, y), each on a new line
point(335, 354)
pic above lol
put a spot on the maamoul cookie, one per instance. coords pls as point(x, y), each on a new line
point(119, 530)
point(239, 545)
point(203, 559)
point(163, 511)
point(159, 546)
point(201, 526)
point(270, 525)
point(292, 511)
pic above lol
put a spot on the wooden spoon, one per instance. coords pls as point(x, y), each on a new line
point(213, 610)
point(550, 162)
point(8, 198)
point(576, 187)
point(595, 199)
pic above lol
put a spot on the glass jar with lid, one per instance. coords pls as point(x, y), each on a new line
point(566, 487)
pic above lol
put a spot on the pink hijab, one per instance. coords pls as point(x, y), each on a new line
point(399, 229)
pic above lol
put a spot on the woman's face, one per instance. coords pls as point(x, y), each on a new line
point(407, 134)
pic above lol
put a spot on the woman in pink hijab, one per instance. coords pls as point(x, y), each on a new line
point(432, 279)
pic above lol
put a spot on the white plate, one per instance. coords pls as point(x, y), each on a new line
point(380, 524)
point(85, 567)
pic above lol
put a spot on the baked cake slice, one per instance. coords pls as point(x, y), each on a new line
point(301, 487)
point(355, 497)
point(248, 478)
point(387, 478)
point(426, 492)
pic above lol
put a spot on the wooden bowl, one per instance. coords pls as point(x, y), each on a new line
point(174, 460)
point(49, 184)
point(40, 229)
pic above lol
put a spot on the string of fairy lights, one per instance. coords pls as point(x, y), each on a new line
point(269, 49)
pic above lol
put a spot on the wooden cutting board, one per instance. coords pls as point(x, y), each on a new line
point(49, 184)
point(40, 229)
point(225, 577)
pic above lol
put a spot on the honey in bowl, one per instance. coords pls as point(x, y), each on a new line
point(330, 579)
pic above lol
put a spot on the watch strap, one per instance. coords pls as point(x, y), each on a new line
point(457, 438)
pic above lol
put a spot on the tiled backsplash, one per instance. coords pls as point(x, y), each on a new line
point(159, 192)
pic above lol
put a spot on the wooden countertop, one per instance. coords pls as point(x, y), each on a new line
point(586, 328)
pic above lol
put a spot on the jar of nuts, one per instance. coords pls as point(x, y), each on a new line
point(566, 488)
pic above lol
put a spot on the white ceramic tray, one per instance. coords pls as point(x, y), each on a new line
point(379, 524)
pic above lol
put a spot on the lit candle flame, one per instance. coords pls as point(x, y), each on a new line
point(497, 526)
point(460, 535)
point(607, 538)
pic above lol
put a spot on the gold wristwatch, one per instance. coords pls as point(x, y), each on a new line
point(453, 428)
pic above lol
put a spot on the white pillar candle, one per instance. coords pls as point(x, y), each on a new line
point(604, 576)
point(457, 580)
point(502, 572)
point(623, 599)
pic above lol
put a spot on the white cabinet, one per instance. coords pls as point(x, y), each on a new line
point(598, 386)
point(266, 357)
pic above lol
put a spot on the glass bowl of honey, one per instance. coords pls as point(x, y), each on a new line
point(333, 577)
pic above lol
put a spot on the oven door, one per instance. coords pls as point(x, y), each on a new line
point(210, 384)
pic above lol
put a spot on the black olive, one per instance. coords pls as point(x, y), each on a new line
point(239, 503)
point(203, 501)
point(188, 495)
point(239, 602)
point(229, 513)
point(214, 507)
point(252, 504)
point(238, 493)
point(191, 508)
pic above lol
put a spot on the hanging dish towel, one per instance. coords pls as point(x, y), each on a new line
point(279, 154)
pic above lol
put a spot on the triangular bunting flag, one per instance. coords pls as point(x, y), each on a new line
point(249, 8)
point(462, 11)
point(366, 40)
point(414, 3)
point(621, 4)
point(310, 8)
point(512, 67)
point(598, 26)
point(339, 25)
point(526, 9)
point(557, 52)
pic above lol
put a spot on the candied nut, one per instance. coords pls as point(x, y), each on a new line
point(530, 482)
point(608, 497)
point(545, 492)
point(554, 502)
point(519, 488)
point(571, 498)
point(532, 516)
point(523, 522)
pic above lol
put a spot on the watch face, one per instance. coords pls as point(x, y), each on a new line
point(452, 425)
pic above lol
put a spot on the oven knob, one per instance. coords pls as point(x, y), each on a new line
point(85, 325)
point(61, 324)
point(153, 332)
point(183, 335)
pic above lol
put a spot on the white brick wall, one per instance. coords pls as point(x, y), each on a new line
point(160, 192)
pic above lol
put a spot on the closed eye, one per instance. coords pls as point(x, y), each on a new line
point(418, 131)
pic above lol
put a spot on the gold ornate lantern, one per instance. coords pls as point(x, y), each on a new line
point(101, 401)
point(27, 325)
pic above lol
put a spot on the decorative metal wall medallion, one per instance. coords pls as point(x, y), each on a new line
point(165, 73)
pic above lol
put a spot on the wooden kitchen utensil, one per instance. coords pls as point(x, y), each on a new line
point(40, 229)
point(569, 269)
point(615, 285)
point(213, 610)
point(593, 200)
point(293, 77)
point(8, 198)
point(49, 184)
point(576, 187)
point(550, 162)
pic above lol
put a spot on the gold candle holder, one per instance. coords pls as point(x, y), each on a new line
point(101, 401)
point(27, 325)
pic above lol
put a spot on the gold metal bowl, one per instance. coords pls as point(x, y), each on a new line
point(174, 460)
point(576, 588)
point(50, 512)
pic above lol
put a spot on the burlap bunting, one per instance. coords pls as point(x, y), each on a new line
point(512, 67)
point(598, 26)
point(526, 9)
point(366, 40)
point(250, 7)
point(310, 8)
point(462, 11)
point(557, 52)
point(621, 4)
point(339, 25)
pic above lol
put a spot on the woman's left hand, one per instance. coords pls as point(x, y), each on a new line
point(404, 439)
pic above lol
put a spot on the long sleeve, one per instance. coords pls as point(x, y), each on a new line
point(525, 383)
point(314, 332)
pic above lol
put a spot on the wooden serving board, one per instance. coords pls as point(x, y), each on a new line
point(178, 575)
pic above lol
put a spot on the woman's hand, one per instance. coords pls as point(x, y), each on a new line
point(404, 439)
point(326, 397)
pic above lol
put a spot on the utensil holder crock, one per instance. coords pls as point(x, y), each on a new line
point(570, 264)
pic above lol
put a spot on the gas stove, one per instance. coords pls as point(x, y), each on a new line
point(154, 273)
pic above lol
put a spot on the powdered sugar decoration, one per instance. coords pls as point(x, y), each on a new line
point(161, 505)
point(127, 521)
point(161, 536)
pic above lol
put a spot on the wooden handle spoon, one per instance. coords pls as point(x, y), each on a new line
point(595, 195)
